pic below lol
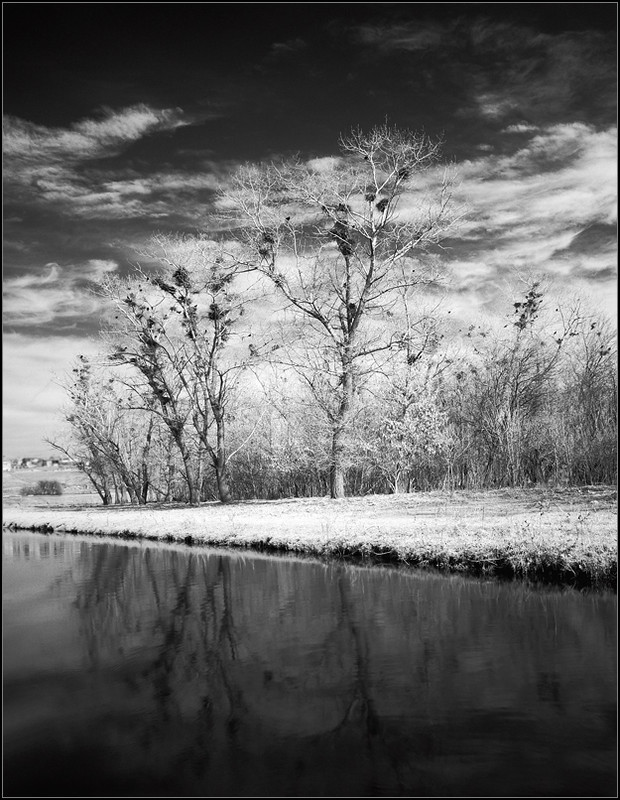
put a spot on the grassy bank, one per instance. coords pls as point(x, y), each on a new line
point(554, 536)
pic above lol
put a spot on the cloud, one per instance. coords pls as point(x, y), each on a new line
point(493, 107)
point(60, 295)
point(99, 267)
point(521, 127)
point(27, 281)
point(500, 71)
point(547, 209)
point(402, 37)
point(161, 195)
point(567, 75)
point(325, 164)
point(599, 235)
point(288, 47)
point(61, 167)
point(87, 139)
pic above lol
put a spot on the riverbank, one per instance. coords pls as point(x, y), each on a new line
point(562, 536)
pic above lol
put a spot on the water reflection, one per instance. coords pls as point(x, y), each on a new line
point(140, 670)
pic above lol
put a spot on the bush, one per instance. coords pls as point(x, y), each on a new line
point(42, 487)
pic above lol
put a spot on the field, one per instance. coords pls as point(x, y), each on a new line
point(77, 489)
point(566, 535)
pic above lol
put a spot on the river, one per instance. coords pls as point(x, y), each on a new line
point(137, 669)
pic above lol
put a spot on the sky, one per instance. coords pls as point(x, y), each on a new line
point(121, 120)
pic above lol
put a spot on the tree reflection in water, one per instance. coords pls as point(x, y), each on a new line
point(211, 673)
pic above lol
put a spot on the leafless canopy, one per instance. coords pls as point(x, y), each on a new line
point(338, 238)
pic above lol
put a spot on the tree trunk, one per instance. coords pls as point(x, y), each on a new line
point(396, 483)
point(336, 487)
point(337, 467)
point(223, 488)
point(101, 488)
point(193, 493)
point(145, 481)
point(219, 456)
point(144, 487)
point(104, 494)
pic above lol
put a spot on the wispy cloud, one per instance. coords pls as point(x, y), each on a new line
point(529, 212)
point(56, 295)
point(160, 195)
point(498, 71)
point(403, 37)
point(86, 139)
point(46, 166)
point(290, 46)
point(564, 178)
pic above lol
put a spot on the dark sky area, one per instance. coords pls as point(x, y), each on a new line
point(243, 69)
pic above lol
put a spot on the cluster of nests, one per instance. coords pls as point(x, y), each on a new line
point(381, 204)
point(341, 231)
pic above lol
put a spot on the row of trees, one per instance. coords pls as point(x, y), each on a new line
point(292, 355)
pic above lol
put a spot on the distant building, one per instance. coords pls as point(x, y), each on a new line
point(41, 463)
point(29, 463)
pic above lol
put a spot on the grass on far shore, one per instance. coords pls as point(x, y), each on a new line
point(560, 536)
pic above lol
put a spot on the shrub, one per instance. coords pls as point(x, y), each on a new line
point(42, 487)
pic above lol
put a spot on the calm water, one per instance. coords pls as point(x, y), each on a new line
point(134, 670)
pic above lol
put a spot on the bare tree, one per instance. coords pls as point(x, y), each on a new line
point(587, 415)
point(509, 386)
point(338, 238)
point(142, 342)
point(108, 441)
point(175, 326)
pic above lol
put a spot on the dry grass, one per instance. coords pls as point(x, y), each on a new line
point(77, 489)
point(556, 536)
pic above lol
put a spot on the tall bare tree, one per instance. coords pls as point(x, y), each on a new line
point(339, 238)
point(174, 325)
